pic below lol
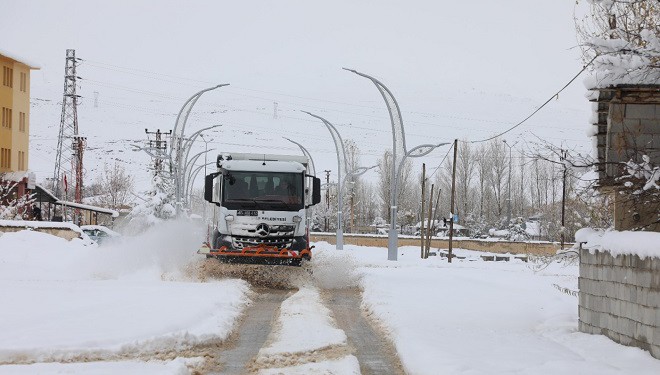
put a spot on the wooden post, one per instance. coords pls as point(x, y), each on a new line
point(428, 225)
point(453, 192)
point(421, 217)
point(435, 217)
point(563, 199)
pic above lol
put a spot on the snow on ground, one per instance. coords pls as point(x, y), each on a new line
point(477, 317)
point(304, 325)
point(64, 301)
point(304, 332)
point(345, 366)
point(174, 367)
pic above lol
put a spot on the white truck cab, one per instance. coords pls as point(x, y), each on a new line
point(261, 208)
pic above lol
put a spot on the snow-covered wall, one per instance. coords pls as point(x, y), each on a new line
point(493, 245)
point(620, 296)
point(67, 231)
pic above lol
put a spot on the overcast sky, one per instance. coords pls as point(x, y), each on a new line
point(293, 51)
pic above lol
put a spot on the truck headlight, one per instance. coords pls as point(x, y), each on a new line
point(297, 219)
point(229, 218)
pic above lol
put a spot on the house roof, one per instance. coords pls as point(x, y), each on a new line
point(12, 56)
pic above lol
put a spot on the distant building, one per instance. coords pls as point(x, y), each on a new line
point(15, 113)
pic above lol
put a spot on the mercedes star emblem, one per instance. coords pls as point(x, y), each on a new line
point(263, 230)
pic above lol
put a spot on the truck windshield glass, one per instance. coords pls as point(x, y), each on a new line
point(277, 191)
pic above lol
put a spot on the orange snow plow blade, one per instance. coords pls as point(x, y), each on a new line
point(262, 254)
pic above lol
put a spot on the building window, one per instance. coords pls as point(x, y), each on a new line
point(5, 158)
point(7, 76)
point(21, 160)
point(6, 117)
point(23, 83)
point(21, 122)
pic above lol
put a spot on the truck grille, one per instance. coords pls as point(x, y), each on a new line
point(281, 242)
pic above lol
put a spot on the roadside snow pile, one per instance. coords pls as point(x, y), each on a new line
point(63, 301)
point(642, 244)
point(305, 340)
point(174, 367)
point(348, 365)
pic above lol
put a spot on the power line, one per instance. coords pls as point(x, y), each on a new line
point(556, 95)
point(442, 161)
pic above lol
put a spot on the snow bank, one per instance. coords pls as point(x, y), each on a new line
point(642, 244)
point(174, 367)
point(348, 365)
point(101, 303)
point(304, 325)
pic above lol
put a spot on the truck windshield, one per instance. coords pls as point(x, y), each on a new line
point(278, 191)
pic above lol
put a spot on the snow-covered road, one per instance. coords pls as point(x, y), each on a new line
point(149, 306)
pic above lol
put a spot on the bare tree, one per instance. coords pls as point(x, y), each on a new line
point(497, 154)
point(622, 38)
point(116, 186)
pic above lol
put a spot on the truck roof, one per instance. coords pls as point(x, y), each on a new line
point(262, 166)
point(261, 157)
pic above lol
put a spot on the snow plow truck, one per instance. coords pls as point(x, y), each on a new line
point(260, 209)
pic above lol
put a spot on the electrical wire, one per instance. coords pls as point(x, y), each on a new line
point(556, 95)
point(442, 161)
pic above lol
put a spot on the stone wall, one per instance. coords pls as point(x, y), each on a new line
point(500, 247)
point(620, 298)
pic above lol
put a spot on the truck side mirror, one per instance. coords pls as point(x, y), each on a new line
point(316, 191)
point(208, 186)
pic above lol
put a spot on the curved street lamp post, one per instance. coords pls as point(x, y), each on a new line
point(176, 149)
point(341, 159)
point(398, 148)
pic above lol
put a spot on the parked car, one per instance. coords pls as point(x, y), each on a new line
point(99, 233)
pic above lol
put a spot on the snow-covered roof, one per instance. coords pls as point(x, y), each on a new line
point(46, 192)
point(10, 55)
point(88, 207)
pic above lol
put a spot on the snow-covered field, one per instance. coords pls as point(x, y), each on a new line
point(137, 307)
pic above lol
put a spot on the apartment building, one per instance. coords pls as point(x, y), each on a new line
point(14, 113)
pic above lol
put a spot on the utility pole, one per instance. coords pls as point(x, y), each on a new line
point(160, 145)
point(453, 192)
point(421, 217)
point(67, 155)
point(327, 197)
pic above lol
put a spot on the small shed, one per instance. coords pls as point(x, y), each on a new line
point(627, 126)
point(52, 208)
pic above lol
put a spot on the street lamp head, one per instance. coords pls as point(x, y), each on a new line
point(423, 150)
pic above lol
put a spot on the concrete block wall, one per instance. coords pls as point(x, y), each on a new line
point(620, 298)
